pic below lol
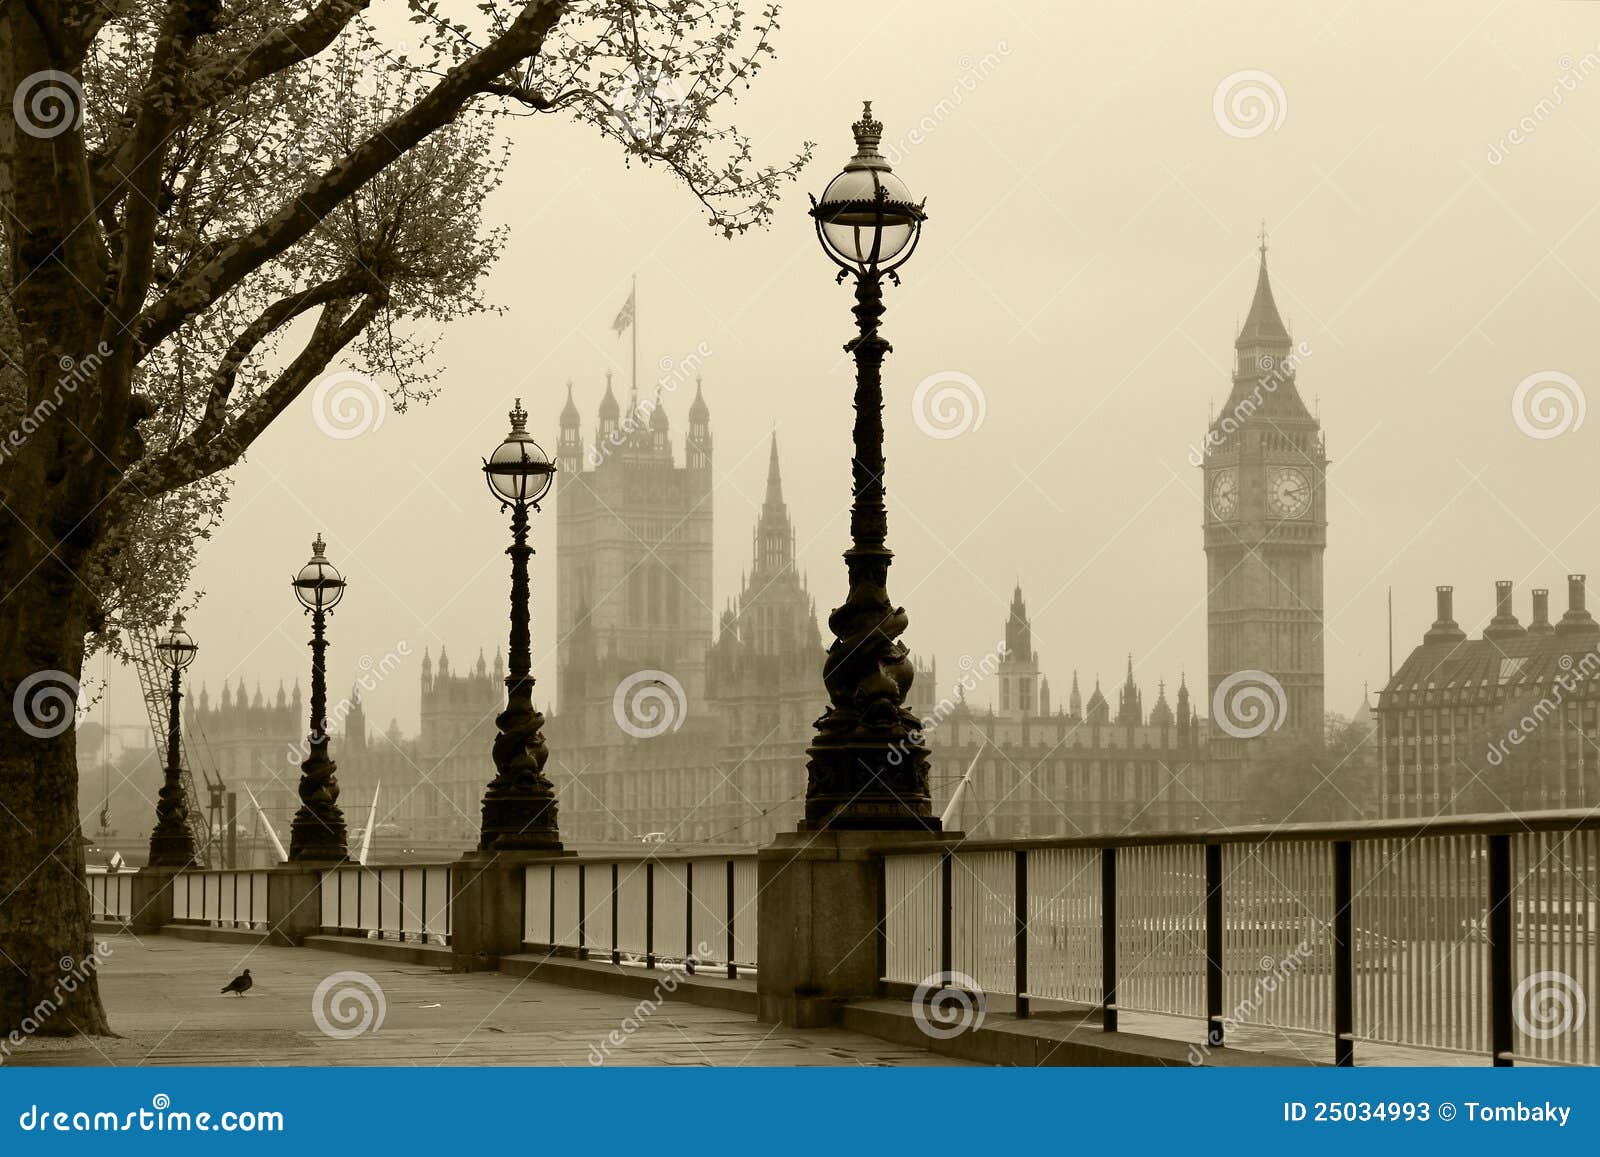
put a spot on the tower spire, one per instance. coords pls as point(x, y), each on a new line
point(774, 475)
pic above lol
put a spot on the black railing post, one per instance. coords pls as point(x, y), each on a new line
point(1215, 1025)
point(583, 951)
point(733, 969)
point(883, 922)
point(616, 950)
point(1502, 1025)
point(1020, 899)
point(946, 912)
point(1108, 939)
point(551, 943)
point(1344, 957)
point(650, 914)
point(688, 910)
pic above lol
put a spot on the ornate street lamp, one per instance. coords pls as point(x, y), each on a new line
point(519, 807)
point(868, 767)
point(172, 840)
point(317, 833)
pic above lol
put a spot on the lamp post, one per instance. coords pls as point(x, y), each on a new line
point(317, 833)
point(868, 767)
point(172, 839)
point(519, 807)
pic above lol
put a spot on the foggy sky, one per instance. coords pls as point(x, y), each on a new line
point(1090, 251)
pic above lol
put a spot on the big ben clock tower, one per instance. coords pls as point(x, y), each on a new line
point(1266, 526)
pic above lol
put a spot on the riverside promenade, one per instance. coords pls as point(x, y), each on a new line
point(161, 993)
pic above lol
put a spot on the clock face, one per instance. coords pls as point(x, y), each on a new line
point(1225, 493)
point(1289, 492)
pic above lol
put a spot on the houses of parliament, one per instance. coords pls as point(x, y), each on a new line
point(678, 721)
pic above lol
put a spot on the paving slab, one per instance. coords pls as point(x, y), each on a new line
point(162, 997)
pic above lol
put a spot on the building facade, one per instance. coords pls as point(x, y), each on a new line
point(1502, 722)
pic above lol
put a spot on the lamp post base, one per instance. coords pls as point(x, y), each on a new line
point(868, 785)
point(519, 822)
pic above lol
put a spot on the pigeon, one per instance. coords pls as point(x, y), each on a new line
point(240, 984)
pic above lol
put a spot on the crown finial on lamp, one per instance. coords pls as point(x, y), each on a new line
point(868, 132)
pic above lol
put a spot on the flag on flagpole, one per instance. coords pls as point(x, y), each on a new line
point(625, 315)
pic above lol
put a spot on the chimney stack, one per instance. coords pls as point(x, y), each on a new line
point(1444, 629)
point(1577, 617)
point(1541, 613)
point(1504, 625)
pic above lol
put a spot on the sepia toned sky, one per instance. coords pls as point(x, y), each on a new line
point(1090, 252)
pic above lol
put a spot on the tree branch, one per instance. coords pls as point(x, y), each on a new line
point(302, 212)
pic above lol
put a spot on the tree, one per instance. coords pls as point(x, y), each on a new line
point(205, 203)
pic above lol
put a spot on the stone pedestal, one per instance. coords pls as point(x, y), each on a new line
point(294, 903)
point(152, 900)
point(486, 906)
point(820, 895)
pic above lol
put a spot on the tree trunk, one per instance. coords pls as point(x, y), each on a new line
point(47, 979)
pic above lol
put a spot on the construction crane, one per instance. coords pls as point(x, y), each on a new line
point(205, 823)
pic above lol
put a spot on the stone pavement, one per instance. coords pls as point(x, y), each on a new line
point(161, 994)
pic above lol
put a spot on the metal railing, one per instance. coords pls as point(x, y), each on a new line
point(111, 896)
point(226, 899)
point(647, 909)
point(1472, 934)
point(410, 902)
